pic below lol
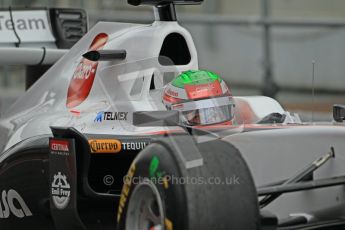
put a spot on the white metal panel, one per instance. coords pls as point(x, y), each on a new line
point(30, 26)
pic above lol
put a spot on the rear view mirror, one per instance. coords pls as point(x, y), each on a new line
point(157, 2)
point(156, 118)
point(339, 113)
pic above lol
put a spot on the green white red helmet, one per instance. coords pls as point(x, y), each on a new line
point(202, 97)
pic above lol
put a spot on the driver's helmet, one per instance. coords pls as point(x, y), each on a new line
point(202, 98)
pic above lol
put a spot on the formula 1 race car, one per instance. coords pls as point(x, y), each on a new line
point(92, 146)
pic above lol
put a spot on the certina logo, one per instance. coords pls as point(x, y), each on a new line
point(111, 116)
point(22, 24)
point(61, 191)
point(59, 147)
point(13, 203)
point(84, 75)
point(56, 145)
point(105, 146)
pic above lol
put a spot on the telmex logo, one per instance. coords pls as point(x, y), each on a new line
point(105, 146)
point(57, 145)
point(84, 76)
point(111, 116)
point(13, 203)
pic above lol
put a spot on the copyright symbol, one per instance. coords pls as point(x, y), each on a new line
point(108, 180)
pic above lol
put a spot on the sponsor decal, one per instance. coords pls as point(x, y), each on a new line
point(178, 107)
point(111, 116)
point(22, 24)
point(154, 166)
point(125, 191)
point(84, 76)
point(165, 182)
point(172, 93)
point(155, 173)
point(13, 203)
point(105, 146)
point(99, 117)
point(134, 145)
point(30, 25)
point(168, 224)
point(170, 100)
point(59, 147)
point(204, 90)
point(61, 191)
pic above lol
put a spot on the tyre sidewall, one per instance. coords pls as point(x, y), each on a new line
point(172, 195)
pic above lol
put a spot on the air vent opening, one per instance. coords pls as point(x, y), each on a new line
point(69, 26)
point(174, 49)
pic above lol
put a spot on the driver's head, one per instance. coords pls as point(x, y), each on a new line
point(202, 97)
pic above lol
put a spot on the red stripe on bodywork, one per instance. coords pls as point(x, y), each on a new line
point(84, 75)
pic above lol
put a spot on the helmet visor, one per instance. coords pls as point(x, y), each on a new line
point(206, 112)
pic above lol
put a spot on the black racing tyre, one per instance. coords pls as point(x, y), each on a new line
point(160, 193)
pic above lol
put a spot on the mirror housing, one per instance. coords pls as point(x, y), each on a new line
point(165, 9)
point(160, 2)
point(339, 112)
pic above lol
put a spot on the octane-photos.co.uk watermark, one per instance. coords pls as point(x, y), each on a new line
point(233, 180)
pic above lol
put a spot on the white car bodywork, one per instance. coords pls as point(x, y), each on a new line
point(44, 105)
point(275, 155)
point(271, 154)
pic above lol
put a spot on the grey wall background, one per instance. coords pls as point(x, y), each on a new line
point(237, 54)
